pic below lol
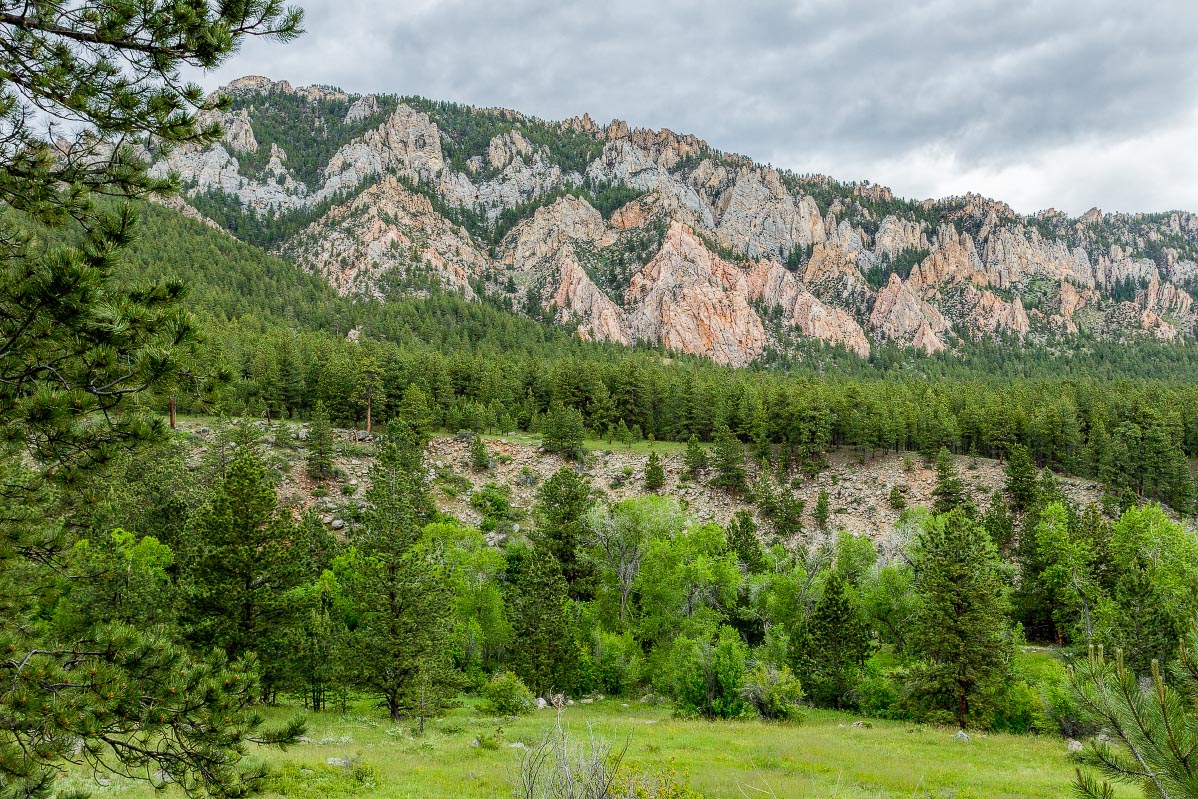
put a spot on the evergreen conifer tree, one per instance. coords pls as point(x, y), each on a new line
point(960, 632)
point(1020, 479)
point(743, 540)
point(729, 460)
point(563, 431)
point(623, 434)
point(401, 643)
point(823, 510)
point(544, 649)
point(696, 458)
point(837, 644)
point(949, 493)
point(1147, 725)
point(239, 563)
point(320, 444)
point(480, 458)
point(998, 522)
point(563, 502)
point(76, 344)
point(655, 476)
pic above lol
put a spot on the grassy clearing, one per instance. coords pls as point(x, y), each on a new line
point(824, 757)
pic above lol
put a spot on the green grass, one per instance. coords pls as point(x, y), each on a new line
point(824, 757)
point(639, 447)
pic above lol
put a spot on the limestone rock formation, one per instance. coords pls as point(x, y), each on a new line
point(387, 228)
point(698, 243)
point(691, 300)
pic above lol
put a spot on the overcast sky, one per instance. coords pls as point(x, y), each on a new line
point(1041, 103)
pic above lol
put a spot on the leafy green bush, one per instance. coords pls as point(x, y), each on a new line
point(879, 690)
point(633, 780)
point(505, 694)
point(707, 677)
point(774, 692)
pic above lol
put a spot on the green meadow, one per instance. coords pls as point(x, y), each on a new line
point(468, 755)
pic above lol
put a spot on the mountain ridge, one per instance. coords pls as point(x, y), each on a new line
point(633, 235)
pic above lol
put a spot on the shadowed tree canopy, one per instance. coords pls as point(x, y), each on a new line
point(86, 90)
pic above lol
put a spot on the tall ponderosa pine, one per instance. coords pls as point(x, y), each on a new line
point(543, 648)
point(239, 562)
point(960, 632)
point(75, 344)
point(563, 503)
point(401, 645)
point(836, 646)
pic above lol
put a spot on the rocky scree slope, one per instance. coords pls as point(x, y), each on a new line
point(631, 235)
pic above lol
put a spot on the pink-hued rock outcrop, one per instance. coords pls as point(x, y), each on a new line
point(705, 240)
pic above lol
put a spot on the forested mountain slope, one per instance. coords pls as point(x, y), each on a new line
point(1124, 414)
point(638, 236)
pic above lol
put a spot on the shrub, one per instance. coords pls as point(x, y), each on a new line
point(707, 678)
point(633, 780)
point(505, 694)
point(879, 690)
point(618, 660)
point(558, 768)
point(897, 500)
point(774, 692)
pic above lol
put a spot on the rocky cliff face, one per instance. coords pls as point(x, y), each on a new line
point(631, 235)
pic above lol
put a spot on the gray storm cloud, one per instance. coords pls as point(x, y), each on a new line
point(1041, 103)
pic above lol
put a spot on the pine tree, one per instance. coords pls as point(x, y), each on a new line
point(743, 540)
point(729, 460)
point(655, 476)
point(823, 510)
point(563, 431)
point(401, 594)
point(238, 566)
point(897, 499)
point(480, 458)
point(1020, 482)
point(77, 347)
point(320, 444)
point(696, 458)
point(960, 632)
point(544, 649)
point(998, 522)
point(1148, 726)
point(837, 645)
point(949, 493)
point(623, 434)
point(561, 512)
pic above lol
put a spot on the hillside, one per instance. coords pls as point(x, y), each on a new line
point(637, 236)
